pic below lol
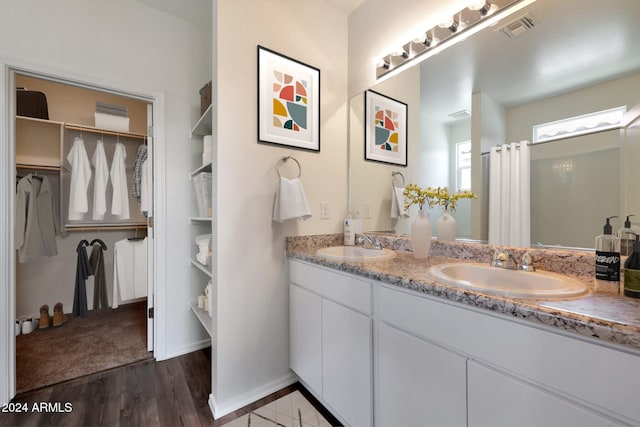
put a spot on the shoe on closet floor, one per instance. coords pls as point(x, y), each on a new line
point(58, 315)
point(18, 327)
point(28, 326)
point(45, 319)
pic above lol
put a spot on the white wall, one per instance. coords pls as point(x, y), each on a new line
point(127, 45)
point(252, 334)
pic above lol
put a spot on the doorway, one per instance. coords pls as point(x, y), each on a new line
point(44, 281)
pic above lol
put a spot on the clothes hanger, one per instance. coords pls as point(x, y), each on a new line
point(83, 242)
point(104, 246)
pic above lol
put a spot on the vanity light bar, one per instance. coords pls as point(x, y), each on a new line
point(473, 18)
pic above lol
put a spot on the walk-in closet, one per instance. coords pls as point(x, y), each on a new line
point(83, 202)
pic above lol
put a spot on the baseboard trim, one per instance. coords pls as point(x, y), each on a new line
point(254, 395)
point(198, 345)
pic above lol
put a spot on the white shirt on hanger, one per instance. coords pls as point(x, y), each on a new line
point(80, 177)
point(100, 181)
point(120, 202)
point(129, 270)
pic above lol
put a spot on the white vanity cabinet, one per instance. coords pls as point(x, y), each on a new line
point(497, 399)
point(331, 339)
point(418, 383)
point(426, 361)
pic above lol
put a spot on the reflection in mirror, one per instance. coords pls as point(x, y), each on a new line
point(559, 66)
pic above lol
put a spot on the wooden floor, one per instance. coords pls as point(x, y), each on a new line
point(171, 393)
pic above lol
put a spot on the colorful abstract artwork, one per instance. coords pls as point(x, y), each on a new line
point(288, 101)
point(385, 129)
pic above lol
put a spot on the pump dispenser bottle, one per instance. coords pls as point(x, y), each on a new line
point(608, 260)
point(632, 271)
point(627, 237)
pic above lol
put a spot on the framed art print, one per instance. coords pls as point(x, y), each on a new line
point(288, 101)
point(385, 123)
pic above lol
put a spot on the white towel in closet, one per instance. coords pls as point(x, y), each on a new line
point(100, 181)
point(80, 177)
point(129, 270)
point(120, 202)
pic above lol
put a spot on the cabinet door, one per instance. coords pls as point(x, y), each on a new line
point(346, 363)
point(305, 347)
point(419, 384)
point(496, 399)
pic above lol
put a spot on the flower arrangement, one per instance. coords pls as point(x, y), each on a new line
point(432, 197)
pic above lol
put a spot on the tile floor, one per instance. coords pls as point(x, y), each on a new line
point(292, 410)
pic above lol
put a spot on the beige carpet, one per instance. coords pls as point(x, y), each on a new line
point(103, 340)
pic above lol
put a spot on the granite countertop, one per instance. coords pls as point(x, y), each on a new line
point(608, 317)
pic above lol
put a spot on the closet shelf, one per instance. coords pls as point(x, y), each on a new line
point(202, 268)
point(198, 219)
point(43, 121)
point(203, 317)
point(203, 168)
point(91, 129)
point(204, 126)
point(37, 167)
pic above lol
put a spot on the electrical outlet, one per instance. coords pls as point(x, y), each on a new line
point(367, 210)
point(324, 210)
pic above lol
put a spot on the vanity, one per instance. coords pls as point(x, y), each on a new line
point(382, 343)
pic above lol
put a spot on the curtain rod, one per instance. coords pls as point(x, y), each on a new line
point(533, 144)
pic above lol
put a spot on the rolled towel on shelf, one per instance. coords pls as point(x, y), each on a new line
point(291, 202)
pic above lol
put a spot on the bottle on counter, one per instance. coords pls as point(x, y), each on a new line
point(627, 237)
point(632, 271)
point(349, 235)
point(608, 260)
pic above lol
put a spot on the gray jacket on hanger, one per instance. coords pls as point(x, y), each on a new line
point(36, 221)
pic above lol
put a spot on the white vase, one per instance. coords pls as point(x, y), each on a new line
point(446, 227)
point(421, 235)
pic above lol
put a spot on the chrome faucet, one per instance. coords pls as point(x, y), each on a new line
point(504, 259)
point(368, 242)
point(527, 263)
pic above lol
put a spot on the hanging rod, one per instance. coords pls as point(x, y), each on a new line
point(38, 167)
point(105, 227)
point(83, 128)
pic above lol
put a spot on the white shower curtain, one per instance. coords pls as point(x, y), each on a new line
point(510, 195)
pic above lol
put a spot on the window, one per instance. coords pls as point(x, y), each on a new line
point(463, 165)
point(579, 125)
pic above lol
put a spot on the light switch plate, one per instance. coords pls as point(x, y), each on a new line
point(367, 210)
point(325, 210)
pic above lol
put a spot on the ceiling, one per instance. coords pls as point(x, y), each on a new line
point(347, 6)
point(574, 44)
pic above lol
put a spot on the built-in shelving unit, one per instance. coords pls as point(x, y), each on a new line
point(203, 317)
point(201, 224)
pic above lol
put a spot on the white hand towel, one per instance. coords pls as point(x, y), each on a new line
point(291, 201)
point(397, 203)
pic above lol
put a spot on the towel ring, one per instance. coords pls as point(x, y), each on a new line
point(394, 174)
point(283, 160)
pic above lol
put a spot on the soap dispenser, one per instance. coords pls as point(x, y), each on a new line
point(608, 260)
point(627, 237)
point(349, 235)
point(632, 271)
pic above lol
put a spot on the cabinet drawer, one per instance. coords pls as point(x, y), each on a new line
point(341, 288)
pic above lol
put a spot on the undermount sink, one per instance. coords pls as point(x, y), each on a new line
point(354, 253)
point(513, 283)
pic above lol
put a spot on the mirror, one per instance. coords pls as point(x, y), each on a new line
point(578, 57)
